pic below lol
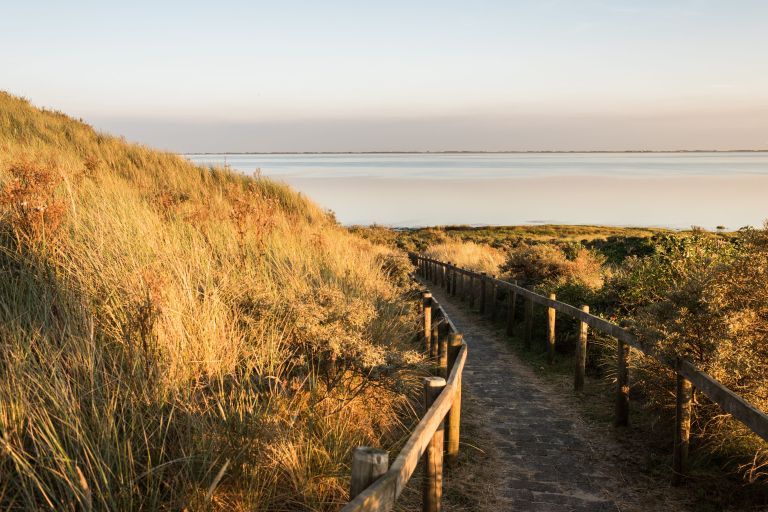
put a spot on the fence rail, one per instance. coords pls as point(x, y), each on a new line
point(376, 487)
point(464, 283)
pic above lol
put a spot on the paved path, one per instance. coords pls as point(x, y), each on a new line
point(549, 462)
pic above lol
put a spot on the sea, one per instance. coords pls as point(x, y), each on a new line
point(675, 190)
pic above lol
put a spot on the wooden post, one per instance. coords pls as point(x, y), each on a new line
point(443, 272)
point(494, 298)
point(483, 292)
point(581, 354)
point(433, 455)
point(453, 281)
point(454, 344)
point(551, 317)
point(434, 341)
point(511, 306)
point(368, 465)
point(453, 419)
point(442, 350)
point(622, 384)
point(528, 322)
point(427, 301)
point(472, 290)
point(682, 428)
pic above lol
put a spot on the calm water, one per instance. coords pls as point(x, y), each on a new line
point(659, 189)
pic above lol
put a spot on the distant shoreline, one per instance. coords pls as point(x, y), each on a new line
point(471, 152)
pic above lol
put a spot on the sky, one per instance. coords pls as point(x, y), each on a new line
point(359, 75)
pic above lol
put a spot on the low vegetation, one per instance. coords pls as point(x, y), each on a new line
point(697, 294)
point(175, 337)
point(468, 255)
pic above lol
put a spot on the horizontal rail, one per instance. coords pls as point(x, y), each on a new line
point(752, 417)
point(755, 419)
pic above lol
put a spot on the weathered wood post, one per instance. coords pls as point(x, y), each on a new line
point(432, 459)
point(483, 292)
point(368, 465)
point(511, 306)
point(581, 353)
point(494, 297)
point(684, 394)
point(453, 280)
point(442, 350)
point(528, 321)
point(453, 419)
point(427, 302)
point(622, 384)
point(472, 290)
point(434, 341)
point(551, 318)
point(442, 274)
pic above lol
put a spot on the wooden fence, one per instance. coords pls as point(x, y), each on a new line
point(476, 286)
point(375, 486)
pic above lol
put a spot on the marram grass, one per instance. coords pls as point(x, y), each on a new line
point(176, 337)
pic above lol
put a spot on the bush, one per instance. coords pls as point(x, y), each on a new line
point(549, 266)
point(704, 298)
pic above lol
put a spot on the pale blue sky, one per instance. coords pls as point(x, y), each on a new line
point(304, 76)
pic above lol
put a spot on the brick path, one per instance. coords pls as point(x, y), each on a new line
point(549, 462)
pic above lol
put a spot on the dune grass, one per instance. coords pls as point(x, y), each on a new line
point(178, 337)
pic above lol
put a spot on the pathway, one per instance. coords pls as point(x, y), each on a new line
point(552, 461)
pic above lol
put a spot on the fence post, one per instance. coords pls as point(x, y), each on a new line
point(442, 350)
point(453, 280)
point(472, 290)
point(368, 465)
point(433, 455)
point(434, 341)
point(443, 271)
point(494, 297)
point(528, 321)
point(581, 353)
point(483, 292)
point(427, 301)
point(453, 419)
point(684, 393)
point(511, 309)
point(551, 318)
point(622, 384)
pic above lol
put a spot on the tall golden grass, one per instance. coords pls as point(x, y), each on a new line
point(477, 257)
point(177, 337)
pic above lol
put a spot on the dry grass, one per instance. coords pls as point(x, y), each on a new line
point(177, 337)
point(480, 258)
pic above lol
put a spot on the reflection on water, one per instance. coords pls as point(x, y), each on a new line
point(662, 189)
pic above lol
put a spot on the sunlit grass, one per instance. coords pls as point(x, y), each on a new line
point(162, 321)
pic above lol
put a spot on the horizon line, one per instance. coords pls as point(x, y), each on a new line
point(459, 151)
